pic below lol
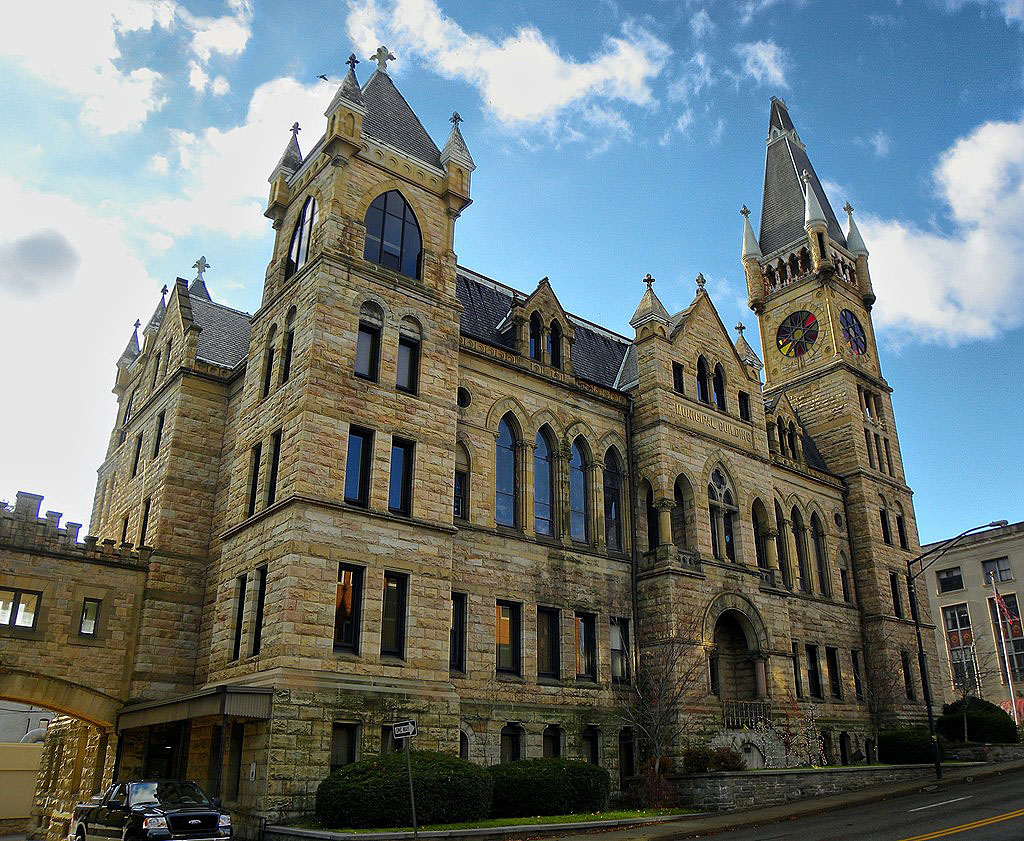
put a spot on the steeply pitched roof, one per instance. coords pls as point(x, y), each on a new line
point(782, 208)
point(224, 334)
point(197, 290)
point(390, 120)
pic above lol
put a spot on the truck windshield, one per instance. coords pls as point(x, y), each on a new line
point(176, 793)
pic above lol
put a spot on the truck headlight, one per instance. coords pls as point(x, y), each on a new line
point(224, 821)
point(154, 823)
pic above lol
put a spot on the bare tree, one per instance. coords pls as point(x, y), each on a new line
point(970, 675)
point(883, 685)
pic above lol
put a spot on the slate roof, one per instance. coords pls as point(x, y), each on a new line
point(596, 354)
point(390, 120)
point(224, 337)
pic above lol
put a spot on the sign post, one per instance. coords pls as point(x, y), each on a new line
point(406, 730)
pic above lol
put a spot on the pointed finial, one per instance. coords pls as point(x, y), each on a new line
point(382, 57)
point(848, 208)
point(163, 292)
point(806, 177)
point(648, 280)
point(700, 281)
point(456, 119)
point(138, 324)
point(745, 212)
point(740, 328)
point(201, 266)
point(352, 62)
point(295, 130)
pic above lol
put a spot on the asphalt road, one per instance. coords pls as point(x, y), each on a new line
point(990, 809)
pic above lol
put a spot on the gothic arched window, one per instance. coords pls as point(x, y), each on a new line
point(535, 345)
point(555, 345)
point(820, 556)
point(782, 436)
point(579, 522)
point(506, 485)
point(613, 500)
point(792, 440)
point(719, 387)
point(543, 485)
point(721, 510)
point(800, 539)
point(759, 518)
point(298, 249)
point(268, 362)
point(703, 387)
point(393, 234)
point(781, 548)
point(653, 526)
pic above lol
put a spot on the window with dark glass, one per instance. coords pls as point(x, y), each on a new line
point(463, 745)
point(793, 451)
point(888, 458)
point(613, 500)
point(552, 744)
point(89, 622)
point(138, 456)
point(344, 738)
point(883, 517)
point(298, 248)
point(555, 345)
point(591, 744)
point(457, 634)
point(275, 463)
point(240, 584)
point(543, 485)
point(403, 456)
point(678, 377)
point(908, 675)
point(780, 425)
point(721, 510)
point(393, 234)
point(719, 388)
point(408, 364)
point(357, 466)
point(744, 404)
point(844, 580)
point(371, 320)
point(912, 597)
point(586, 646)
point(653, 522)
point(156, 370)
point(261, 603)
point(579, 525)
point(388, 742)
point(548, 643)
point(999, 568)
point(506, 489)
point(800, 539)
point(144, 524)
point(897, 602)
point(158, 435)
point(782, 547)
point(535, 338)
point(821, 556)
point(507, 636)
point(511, 743)
point(835, 678)
point(960, 641)
point(901, 531)
point(703, 384)
point(813, 671)
point(627, 756)
point(871, 452)
point(858, 682)
point(268, 361)
point(347, 608)
point(1012, 635)
point(461, 484)
point(619, 638)
point(797, 681)
point(951, 579)
point(392, 625)
point(124, 529)
point(167, 357)
point(127, 417)
point(254, 476)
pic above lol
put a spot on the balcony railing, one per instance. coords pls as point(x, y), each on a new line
point(745, 714)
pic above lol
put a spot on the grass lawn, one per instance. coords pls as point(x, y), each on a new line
point(617, 815)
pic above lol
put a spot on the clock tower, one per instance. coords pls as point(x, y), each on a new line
point(809, 284)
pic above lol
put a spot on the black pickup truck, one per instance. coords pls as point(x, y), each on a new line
point(151, 810)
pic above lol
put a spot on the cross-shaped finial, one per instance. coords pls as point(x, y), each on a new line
point(806, 177)
point(848, 208)
point(352, 62)
point(744, 211)
point(138, 324)
point(740, 328)
point(163, 291)
point(295, 130)
point(456, 119)
point(700, 281)
point(648, 280)
point(382, 57)
point(201, 266)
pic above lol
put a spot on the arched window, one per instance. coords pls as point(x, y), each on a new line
point(506, 485)
point(721, 509)
point(769, 277)
point(590, 743)
point(800, 539)
point(461, 489)
point(759, 519)
point(805, 261)
point(820, 557)
point(681, 514)
point(719, 385)
point(511, 742)
point(901, 525)
point(555, 345)
point(653, 529)
point(579, 522)
point(781, 548)
point(535, 343)
point(794, 265)
point(883, 516)
point(289, 344)
point(371, 322)
point(552, 741)
point(613, 500)
point(393, 235)
point(543, 485)
point(298, 249)
point(703, 387)
point(781, 266)
point(782, 436)
point(793, 451)
point(268, 361)
point(407, 363)
point(463, 745)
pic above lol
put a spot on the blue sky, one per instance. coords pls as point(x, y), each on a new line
point(612, 139)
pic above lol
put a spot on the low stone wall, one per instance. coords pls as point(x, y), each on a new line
point(735, 789)
point(985, 753)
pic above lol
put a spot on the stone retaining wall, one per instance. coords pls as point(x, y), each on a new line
point(986, 753)
point(732, 789)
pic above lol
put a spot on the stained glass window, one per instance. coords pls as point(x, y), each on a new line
point(797, 333)
point(853, 332)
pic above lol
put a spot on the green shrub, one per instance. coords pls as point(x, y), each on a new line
point(374, 792)
point(726, 759)
point(697, 760)
point(530, 787)
point(985, 723)
point(904, 745)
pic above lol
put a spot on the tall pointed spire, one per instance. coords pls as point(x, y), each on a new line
point(131, 350)
point(197, 289)
point(813, 214)
point(158, 314)
point(650, 307)
point(750, 247)
point(455, 149)
point(349, 88)
point(854, 241)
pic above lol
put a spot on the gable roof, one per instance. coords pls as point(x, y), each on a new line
point(224, 334)
point(390, 120)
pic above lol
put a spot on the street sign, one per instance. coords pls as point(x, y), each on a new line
point(404, 729)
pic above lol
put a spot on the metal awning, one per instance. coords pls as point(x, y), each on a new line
point(224, 700)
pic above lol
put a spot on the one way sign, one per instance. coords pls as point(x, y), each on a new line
point(404, 729)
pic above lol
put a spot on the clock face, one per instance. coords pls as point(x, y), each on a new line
point(853, 332)
point(797, 333)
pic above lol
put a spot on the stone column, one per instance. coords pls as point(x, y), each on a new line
point(560, 460)
point(595, 472)
point(771, 549)
point(524, 499)
point(760, 678)
point(664, 507)
point(720, 528)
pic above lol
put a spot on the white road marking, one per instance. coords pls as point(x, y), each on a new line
point(943, 803)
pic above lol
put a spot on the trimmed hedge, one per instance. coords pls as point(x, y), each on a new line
point(374, 792)
point(697, 759)
point(726, 759)
point(531, 787)
point(986, 722)
point(906, 745)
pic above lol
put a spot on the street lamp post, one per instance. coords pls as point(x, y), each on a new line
point(937, 552)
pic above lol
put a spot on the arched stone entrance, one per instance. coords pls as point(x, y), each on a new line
point(61, 696)
point(739, 667)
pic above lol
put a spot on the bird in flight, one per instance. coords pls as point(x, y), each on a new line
point(322, 76)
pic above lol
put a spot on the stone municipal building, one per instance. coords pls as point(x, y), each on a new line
point(403, 488)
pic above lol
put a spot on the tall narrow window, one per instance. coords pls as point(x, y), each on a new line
point(543, 485)
point(268, 361)
point(124, 529)
point(138, 456)
point(678, 378)
point(167, 357)
point(883, 516)
point(579, 522)
point(821, 556)
point(357, 466)
point(908, 675)
point(653, 521)
point(878, 451)
point(703, 384)
point(800, 539)
point(897, 602)
point(555, 345)
point(627, 756)
point(760, 528)
point(798, 685)
point(156, 370)
point(613, 500)
point(298, 248)
point(507, 638)
point(506, 485)
point(254, 476)
point(552, 742)
point(89, 622)
point(858, 681)
point(275, 463)
point(793, 451)
point(403, 458)
point(744, 402)
point(960, 641)
point(127, 417)
point(780, 425)
point(535, 338)
point(344, 738)
point(548, 643)
point(888, 458)
point(912, 597)
point(144, 524)
point(408, 362)
point(511, 743)
point(461, 483)
point(719, 387)
point(457, 634)
point(393, 235)
point(721, 510)
point(782, 547)
point(591, 744)
point(813, 671)
point(371, 321)
point(289, 346)
point(261, 602)
point(844, 580)
point(586, 646)
point(620, 649)
point(835, 678)
point(240, 586)
point(158, 434)
point(871, 452)
point(347, 608)
point(901, 529)
point(392, 625)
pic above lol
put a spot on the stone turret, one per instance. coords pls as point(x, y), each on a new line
point(856, 246)
point(345, 117)
point(816, 226)
point(751, 257)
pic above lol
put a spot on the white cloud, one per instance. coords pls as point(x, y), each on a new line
point(964, 282)
point(158, 164)
point(880, 143)
point(749, 9)
point(227, 35)
point(1011, 10)
point(684, 121)
point(765, 62)
point(220, 86)
point(197, 77)
point(701, 24)
point(696, 77)
point(524, 80)
point(717, 131)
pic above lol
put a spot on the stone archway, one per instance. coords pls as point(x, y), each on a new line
point(61, 696)
point(740, 646)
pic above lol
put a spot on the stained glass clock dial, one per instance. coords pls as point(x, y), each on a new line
point(853, 332)
point(797, 333)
